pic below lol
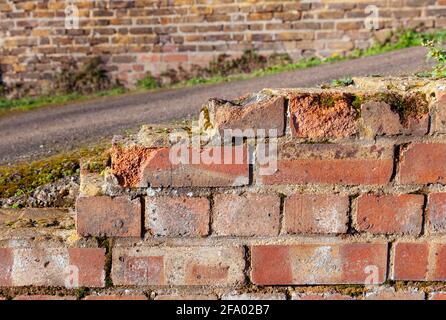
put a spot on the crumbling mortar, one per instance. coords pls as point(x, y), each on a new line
point(107, 244)
point(282, 240)
point(393, 188)
point(359, 290)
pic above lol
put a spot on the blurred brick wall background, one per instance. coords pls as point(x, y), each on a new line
point(137, 36)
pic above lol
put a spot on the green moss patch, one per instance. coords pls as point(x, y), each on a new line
point(24, 178)
point(411, 105)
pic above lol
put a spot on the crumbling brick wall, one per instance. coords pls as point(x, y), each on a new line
point(135, 37)
point(354, 207)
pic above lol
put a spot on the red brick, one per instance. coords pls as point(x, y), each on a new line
point(143, 167)
point(320, 296)
point(40, 267)
point(111, 297)
point(254, 113)
point(246, 215)
point(437, 213)
point(253, 296)
point(423, 163)
point(317, 214)
point(331, 164)
point(177, 216)
point(186, 297)
point(439, 112)
point(419, 261)
point(91, 264)
point(44, 297)
point(175, 58)
point(57, 267)
point(379, 119)
point(388, 293)
point(411, 261)
point(437, 268)
point(309, 264)
point(389, 214)
point(437, 296)
point(6, 262)
point(311, 118)
point(210, 266)
point(116, 217)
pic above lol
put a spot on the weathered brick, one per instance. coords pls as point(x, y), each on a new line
point(437, 213)
point(319, 296)
point(211, 266)
point(90, 184)
point(323, 115)
point(115, 297)
point(91, 264)
point(253, 296)
point(54, 266)
point(177, 216)
point(423, 163)
point(142, 167)
point(390, 214)
point(44, 297)
point(186, 297)
point(439, 111)
point(116, 217)
point(246, 215)
point(437, 296)
point(331, 164)
point(419, 261)
point(6, 263)
point(343, 263)
point(378, 119)
point(318, 214)
point(411, 261)
point(388, 293)
point(246, 118)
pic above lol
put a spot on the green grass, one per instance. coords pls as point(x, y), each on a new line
point(23, 104)
point(401, 40)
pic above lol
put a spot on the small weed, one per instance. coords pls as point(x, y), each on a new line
point(87, 79)
point(342, 82)
point(149, 82)
point(81, 293)
point(436, 52)
point(357, 104)
point(328, 101)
